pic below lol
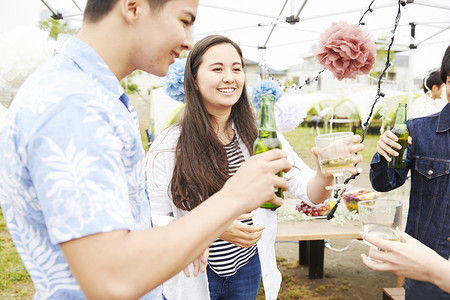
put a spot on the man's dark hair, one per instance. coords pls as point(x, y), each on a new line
point(445, 66)
point(97, 9)
point(433, 79)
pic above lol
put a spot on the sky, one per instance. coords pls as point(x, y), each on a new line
point(239, 19)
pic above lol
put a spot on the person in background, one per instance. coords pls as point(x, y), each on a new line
point(315, 124)
point(193, 158)
point(72, 165)
point(431, 102)
point(410, 258)
point(428, 159)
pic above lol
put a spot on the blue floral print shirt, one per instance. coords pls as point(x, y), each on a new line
point(71, 164)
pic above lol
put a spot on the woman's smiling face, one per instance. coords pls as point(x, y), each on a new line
point(220, 78)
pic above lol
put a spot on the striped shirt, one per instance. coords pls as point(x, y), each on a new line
point(226, 258)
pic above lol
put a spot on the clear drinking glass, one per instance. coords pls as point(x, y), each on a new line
point(381, 217)
point(336, 157)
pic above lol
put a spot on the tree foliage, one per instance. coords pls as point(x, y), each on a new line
point(55, 27)
point(129, 86)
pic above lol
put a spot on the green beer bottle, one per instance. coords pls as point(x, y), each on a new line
point(267, 137)
point(401, 131)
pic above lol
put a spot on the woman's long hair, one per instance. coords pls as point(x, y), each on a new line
point(201, 166)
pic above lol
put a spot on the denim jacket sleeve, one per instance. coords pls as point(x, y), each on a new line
point(384, 179)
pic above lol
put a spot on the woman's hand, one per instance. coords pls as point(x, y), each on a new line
point(242, 235)
point(355, 148)
point(200, 264)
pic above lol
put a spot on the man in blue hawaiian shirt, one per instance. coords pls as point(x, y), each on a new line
point(72, 175)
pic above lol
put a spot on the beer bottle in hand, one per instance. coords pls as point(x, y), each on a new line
point(401, 131)
point(267, 137)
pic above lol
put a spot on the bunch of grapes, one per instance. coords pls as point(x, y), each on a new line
point(322, 210)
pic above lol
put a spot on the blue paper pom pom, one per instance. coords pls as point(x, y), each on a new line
point(265, 87)
point(173, 82)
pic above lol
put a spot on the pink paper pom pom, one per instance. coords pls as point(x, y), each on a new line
point(346, 50)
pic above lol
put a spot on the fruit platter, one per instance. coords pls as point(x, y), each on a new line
point(316, 212)
point(352, 198)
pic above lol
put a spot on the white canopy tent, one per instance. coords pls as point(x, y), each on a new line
point(257, 24)
point(277, 33)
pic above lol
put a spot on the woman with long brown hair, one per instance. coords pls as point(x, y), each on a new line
point(192, 159)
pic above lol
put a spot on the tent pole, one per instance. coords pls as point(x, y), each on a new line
point(274, 25)
point(431, 36)
point(55, 15)
point(76, 4)
point(338, 13)
point(432, 5)
point(240, 11)
point(301, 9)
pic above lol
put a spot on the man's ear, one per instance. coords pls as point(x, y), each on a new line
point(130, 9)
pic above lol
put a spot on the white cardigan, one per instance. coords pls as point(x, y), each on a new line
point(160, 165)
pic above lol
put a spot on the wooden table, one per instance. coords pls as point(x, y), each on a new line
point(311, 236)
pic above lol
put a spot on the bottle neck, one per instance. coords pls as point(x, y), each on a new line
point(267, 124)
point(400, 117)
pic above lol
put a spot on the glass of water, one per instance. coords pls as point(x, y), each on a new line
point(381, 217)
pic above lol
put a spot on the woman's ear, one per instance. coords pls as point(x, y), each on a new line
point(436, 91)
point(196, 85)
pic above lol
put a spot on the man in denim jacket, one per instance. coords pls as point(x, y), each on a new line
point(428, 158)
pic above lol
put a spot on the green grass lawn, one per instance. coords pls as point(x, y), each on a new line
point(303, 142)
point(14, 280)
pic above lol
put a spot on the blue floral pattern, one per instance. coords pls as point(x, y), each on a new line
point(71, 164)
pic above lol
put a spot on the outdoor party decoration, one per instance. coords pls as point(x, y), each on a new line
point(173, 82)
point(265, 87)
point(335, 61)
point(23, 50)
point(289, 113)
point(346, 50)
